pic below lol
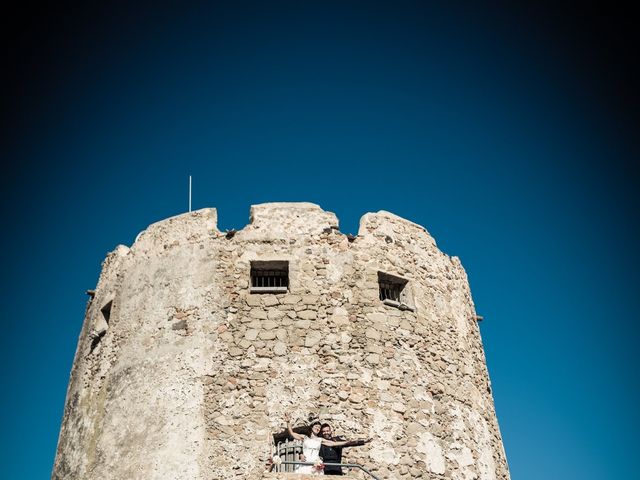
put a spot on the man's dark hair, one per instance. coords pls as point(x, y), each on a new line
point(324, 425)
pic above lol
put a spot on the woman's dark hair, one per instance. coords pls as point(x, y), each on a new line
point(312, 425)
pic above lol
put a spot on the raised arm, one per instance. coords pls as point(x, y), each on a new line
point(295, 435)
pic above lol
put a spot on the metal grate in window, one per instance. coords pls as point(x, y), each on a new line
point(390, 291)
point(392, 288)
point(269, 278)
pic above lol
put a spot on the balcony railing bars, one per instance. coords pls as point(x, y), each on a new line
point(292, 465)
point(289, 453)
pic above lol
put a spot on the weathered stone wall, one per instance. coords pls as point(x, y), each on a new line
point(195, 373)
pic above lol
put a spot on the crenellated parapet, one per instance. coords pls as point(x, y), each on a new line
point(197, 342)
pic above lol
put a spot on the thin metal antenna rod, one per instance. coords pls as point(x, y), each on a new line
point(189, 192)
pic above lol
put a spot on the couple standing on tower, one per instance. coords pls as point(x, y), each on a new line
point(321, 447)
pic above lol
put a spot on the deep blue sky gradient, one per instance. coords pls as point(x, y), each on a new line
point(505, 132)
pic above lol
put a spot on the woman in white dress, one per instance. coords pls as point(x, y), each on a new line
point(311, 447)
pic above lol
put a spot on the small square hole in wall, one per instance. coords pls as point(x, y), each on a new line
point(106, 311)
point(101, 325)
point(393, 291)
point(269, 276)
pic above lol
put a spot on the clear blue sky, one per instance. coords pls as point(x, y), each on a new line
point(503, 131)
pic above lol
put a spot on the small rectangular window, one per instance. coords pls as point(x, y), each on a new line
point(106, 311)
point(269, 277)
point(393, 291)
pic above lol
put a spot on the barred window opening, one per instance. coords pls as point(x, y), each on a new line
point(269, 276)
point(393, 291)
point(390, 291)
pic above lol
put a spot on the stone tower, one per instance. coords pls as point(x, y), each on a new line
point(195, 343)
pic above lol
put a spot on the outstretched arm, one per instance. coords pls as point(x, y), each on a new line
point(295, 435)
point(345, 443)
point(334, 443)
point(357, 443)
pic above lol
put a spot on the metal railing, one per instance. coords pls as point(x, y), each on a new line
point(288, 454)
point(344, 465)
point(288, 451)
